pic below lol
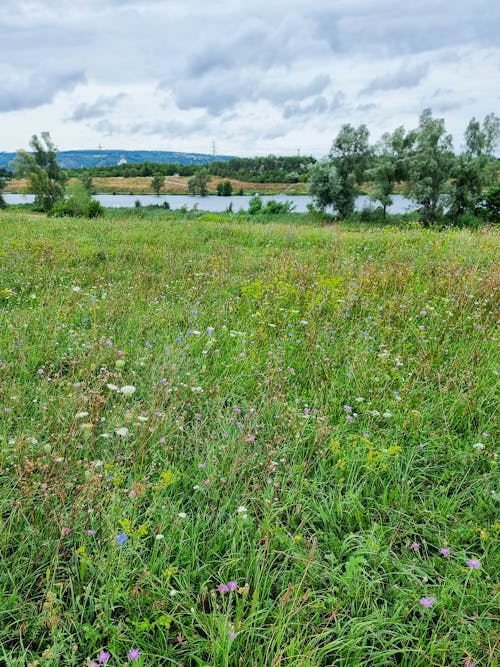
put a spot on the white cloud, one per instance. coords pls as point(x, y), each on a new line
point(266, 77)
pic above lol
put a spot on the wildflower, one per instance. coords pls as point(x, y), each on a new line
point(415, 546)
point(122, 432)
point(479, 446)
point(427, 602)
point(112, 387)
point(159, 536)
point(40, 371)
point(75, 288)
point(121, 538)
point(469, 663)
point(90, 532)
point(134, 653)
point(128, 390)
point(241, 510)
point(223, 588)
point(182, 515)
point(347, 408)
point(80, 415)
point(197, 415)
point(232, 585)
point(445, 551)
point(103, 657)
point(66, 531)
point(474, 563)
point(173, 592)
point(232, 635)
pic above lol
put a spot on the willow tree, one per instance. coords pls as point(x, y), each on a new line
point(46, 179)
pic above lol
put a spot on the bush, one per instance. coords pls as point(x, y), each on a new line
point(79, 204)
point(255, 204)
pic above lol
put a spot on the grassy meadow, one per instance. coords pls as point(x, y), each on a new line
point(228, 442)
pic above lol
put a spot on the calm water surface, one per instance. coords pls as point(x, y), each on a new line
point(217, 204)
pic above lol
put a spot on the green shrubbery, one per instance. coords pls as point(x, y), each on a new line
point(78, 204)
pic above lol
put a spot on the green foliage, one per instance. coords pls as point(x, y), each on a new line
point(430, 165)
point(197, 185)
point(351, 155)
point(45, 177)
point(490, 205)
point(225, 188)
point(325, 186)
point(86, 181)
point(390, 167)
point(255, 204)
point(157, 182)
point(77, 204)
point(2, 200)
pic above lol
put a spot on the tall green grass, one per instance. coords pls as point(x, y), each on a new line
point(313, 421)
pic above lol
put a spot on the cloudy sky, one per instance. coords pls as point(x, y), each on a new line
point(259, 77)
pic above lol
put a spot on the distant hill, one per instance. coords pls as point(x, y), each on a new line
point(105, 158)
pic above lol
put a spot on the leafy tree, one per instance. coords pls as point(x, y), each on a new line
point(197, 185)
point(351, 154)
point(325, 185)
point(225, 188)
point(390, 166)
point(490, 206)
point(86, 181)
point(474, 170)
point(3, 203)
point(46, 178)
point(430, 164)
point(157, 182)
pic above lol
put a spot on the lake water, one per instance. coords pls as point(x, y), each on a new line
point(215, 204)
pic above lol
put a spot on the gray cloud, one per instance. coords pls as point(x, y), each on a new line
point(96, 109)
point(319, 105)
point(404, 77)
point(263, 74)
point(28, 91)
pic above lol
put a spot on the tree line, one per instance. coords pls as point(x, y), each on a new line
point(420, 162)
point(423, 161)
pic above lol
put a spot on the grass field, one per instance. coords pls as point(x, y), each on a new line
point(236, 443)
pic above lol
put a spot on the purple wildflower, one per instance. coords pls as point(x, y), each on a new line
point(427, 602)
point(223, 588)
point(415, 546)
point(474, 563)
point(134, 653)
point(121, 538)
point(445, 551)
point(103, 657)
point(232, 585)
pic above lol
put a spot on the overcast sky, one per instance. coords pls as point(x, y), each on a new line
point(256, 77)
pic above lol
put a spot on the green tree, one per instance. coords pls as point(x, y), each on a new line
point(351, 155)
point(86, 181)
point(430, 163)
point(3, 203)
point(197, 185)
point(390, 166)
point(46, 179)
point(475, 169)
point(325, 185)
point(157, 182)
point(225, 188)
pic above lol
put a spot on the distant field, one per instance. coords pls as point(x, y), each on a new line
point(174, 185)
point(237, 443)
